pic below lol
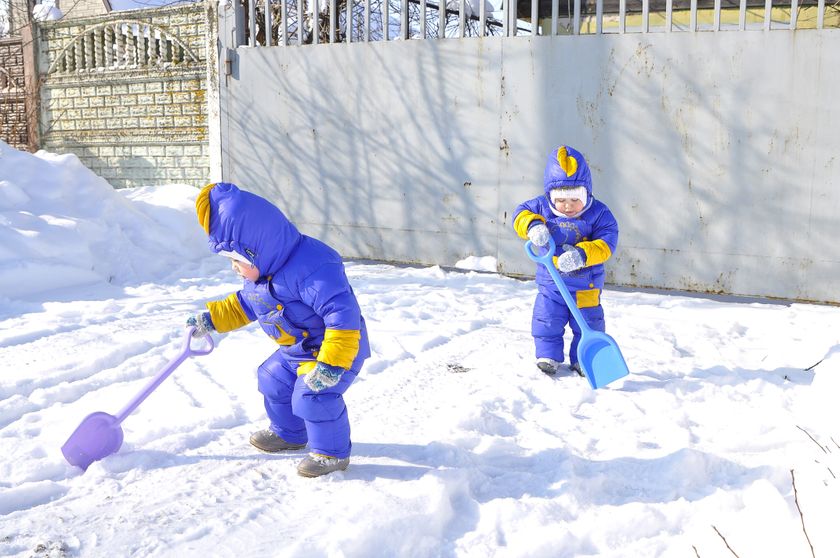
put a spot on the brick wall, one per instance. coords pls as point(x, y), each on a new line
point(126, 93)
point(13, 122)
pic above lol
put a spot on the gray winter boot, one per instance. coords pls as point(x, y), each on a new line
point(315, 465)
point(548, 365)
point(269, 442)
point(575, 367)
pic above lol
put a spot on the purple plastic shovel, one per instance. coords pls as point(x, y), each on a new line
point(100, 435)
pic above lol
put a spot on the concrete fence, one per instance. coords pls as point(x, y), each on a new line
point(126, 92)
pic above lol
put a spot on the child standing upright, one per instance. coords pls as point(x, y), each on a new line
point(296, 288)
point(585, 233)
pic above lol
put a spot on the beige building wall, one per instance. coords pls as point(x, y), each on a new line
point(75, 9)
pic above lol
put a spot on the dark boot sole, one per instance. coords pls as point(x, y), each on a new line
point(309, 475)
point(287, 447)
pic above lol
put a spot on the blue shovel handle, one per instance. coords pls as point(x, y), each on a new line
point(547, 260)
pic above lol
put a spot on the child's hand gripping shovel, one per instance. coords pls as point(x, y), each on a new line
point(598, 353)
point(100, 435)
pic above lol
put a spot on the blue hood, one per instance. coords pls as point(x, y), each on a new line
point(252, 226)
point(567, 168)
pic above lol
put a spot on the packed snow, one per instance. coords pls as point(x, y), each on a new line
point(719, 439)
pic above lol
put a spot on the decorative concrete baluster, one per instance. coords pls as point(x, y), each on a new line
point(90, 61)
point(98, 47)
point(78, 55)
point(135, 47)
point(121, 58)
point(154, 49)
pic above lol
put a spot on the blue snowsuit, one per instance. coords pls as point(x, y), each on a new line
point(593, 233)
point(303, 301)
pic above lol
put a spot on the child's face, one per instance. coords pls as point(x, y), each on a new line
point(245, 271)
point(568, 206)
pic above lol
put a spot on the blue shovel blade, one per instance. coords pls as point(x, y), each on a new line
point(600, 359)
point(99, 435)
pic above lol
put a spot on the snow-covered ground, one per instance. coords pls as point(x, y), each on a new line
point(461, 447)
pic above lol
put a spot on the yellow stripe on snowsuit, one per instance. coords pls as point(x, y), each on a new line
point(597, 251)
point(305, 368)
point(284, 338)
point(202, 208)
point(588, 299)
point(227, 314)
point(521, 222)
point(340, 347)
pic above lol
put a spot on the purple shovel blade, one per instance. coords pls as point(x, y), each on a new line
point(99, 435)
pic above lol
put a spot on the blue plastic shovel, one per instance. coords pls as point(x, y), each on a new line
point(598, 353)
point(100, 435)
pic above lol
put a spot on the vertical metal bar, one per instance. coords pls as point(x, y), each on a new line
point(513, 18)
point(646, 16)
point(669, 15)
point(599, 16)
point(505, 18)
point(441, 19)
point(252, 22)
point(716, 24)
point(820, 13)
point(622, 15)
point(576, 25)
point(742, 15)
point(367, 21)
point(348, 21)
point(423, 18)
point(461, 18)
point(794, 14)
point(692, 20)
point(482, 17)
point(332, 21)
point(555, 13)
point(386, 20)
point(404, 33)
point(316, 26)
point(300, 21)
point(535, 17)
point(284, 17)
point(267, 22)
point(768, 8)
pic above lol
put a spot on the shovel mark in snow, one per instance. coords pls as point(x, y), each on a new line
point(29, 495)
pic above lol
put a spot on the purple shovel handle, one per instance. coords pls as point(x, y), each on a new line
point(186, 352)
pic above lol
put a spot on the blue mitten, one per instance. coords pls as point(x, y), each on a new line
point(202, 324)
point(323, 376)
point(569, 260)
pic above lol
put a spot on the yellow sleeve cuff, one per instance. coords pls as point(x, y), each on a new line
point(340, 347)
point(521, 222)
point(227, 314)
point(597, 251)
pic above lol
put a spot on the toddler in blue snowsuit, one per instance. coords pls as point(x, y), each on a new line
point(585, 234)
point(296, 288)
